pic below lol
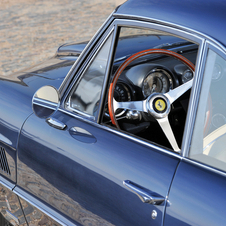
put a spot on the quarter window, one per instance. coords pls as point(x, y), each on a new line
point(209, 138)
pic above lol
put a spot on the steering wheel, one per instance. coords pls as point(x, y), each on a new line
point(157, 104)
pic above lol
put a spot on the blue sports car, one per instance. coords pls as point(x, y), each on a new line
point(127, 129)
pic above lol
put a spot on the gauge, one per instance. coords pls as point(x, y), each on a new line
point(187, 76)
point(121, 94)
point(158, 81)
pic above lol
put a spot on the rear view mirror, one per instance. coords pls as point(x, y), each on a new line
point(45, 101)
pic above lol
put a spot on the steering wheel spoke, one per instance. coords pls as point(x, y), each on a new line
point(130, 105)
point(174, 94)
point(166, 128)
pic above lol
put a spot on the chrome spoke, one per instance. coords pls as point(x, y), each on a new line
point(165, 125)
point(130, 105)
point(174, 94)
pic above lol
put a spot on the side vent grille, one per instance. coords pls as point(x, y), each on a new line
point(4, 166)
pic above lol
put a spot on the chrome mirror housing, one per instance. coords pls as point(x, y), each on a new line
point(45, 101)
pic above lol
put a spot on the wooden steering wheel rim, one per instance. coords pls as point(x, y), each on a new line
point(127, 62)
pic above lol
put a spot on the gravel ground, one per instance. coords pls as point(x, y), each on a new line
point(32, 30)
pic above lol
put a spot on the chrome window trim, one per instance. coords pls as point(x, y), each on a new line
point(202, 165)
point(108, 69)
point(42, 207)
point(45, 103)
point(194, 100)
point(153, 26)
point(80, 76)
point(140, 24)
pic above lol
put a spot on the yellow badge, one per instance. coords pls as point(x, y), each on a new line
point(160, 105)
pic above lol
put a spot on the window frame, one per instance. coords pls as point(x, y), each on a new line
point(182, 33)
point(221, 51)
point(92, 59)
point(79, 75)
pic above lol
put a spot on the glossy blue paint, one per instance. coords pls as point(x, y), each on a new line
point(91, 175)
point(17, 91)
point(204, 16)
point(80, 175)
point(55, 68)
point(197, 197)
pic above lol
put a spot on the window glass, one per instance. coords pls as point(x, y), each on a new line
point(86, 95)
point(209, 137)
point(137, 76)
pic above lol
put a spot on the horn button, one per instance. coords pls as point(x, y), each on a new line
point(158, 105)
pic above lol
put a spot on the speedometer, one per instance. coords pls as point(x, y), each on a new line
point(157, 81)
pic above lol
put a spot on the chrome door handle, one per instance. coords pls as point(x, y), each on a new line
point(144, 194)
point(56, 123)
point(82, 135)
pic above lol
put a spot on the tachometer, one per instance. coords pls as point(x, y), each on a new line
point(157, 81)
point(122, 93)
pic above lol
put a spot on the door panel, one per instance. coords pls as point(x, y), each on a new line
point(84, 180)
point(197, 197)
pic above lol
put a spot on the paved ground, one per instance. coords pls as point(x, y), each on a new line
point(32, 30)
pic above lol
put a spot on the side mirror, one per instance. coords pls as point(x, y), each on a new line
point(45, 101)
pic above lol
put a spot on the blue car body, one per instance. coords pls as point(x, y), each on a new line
point(84, 172)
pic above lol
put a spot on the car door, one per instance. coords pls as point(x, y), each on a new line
point(81, 170)
point(197, 195)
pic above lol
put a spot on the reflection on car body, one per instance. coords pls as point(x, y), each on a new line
point(128, 129)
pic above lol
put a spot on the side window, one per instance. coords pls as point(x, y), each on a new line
point(209, 138)
point(86, 94)
point(148, 65)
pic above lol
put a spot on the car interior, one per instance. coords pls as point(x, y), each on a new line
point(153, 68)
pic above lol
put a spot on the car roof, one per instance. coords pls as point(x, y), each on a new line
point(205, 16)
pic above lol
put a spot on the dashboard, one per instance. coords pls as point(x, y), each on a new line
point(140, 79)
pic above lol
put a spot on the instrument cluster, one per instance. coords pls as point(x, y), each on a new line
point(139, 82)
